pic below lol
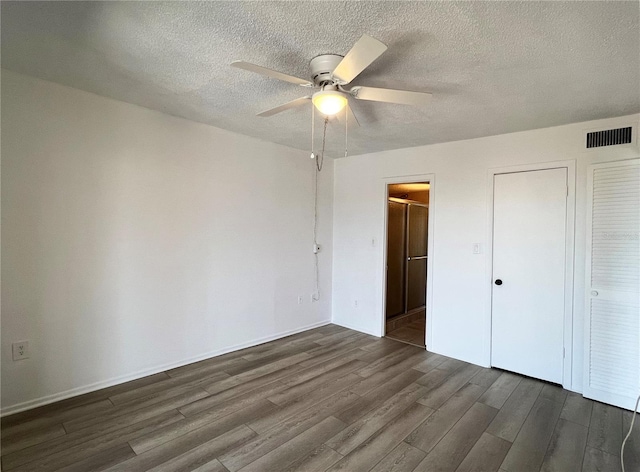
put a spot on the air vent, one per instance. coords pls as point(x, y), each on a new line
point(609, 137)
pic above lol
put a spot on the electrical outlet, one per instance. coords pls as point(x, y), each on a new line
point(300, 299)
point(20, 350)
point(355, 303)
point(476, 248)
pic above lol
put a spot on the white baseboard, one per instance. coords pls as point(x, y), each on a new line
point(355, 328)
point(30, 404)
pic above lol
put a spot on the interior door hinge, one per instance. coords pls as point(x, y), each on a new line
point(564, 353)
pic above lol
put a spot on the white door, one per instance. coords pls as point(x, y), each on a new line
point(529, 241)
point(612, 366)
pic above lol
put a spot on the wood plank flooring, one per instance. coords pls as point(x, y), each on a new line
point(329, 399)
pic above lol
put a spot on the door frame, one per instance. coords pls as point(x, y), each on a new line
point(384, 190)
point(570, 165)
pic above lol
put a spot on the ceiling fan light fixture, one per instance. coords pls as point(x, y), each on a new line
point(330, 72)
point(329, 102)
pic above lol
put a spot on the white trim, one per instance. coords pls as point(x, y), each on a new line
point(356, 328)
point(386, 181)
point(570, 165)
point(30, 404)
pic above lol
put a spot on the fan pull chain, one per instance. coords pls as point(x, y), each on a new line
point(320, 157)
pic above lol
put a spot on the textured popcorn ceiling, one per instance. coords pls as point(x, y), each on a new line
point(493, 67)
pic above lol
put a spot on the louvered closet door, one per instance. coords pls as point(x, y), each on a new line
point(613, 284)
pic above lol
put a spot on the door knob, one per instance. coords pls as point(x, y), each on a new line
point(498, 282)
point(594, 293)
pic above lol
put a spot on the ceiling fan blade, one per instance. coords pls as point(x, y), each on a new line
point(403, 97)
point(362, 54)
point(271, 73)
point(285, 106)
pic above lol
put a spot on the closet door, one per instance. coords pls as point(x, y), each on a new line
point(529, 250)
point(612, 370)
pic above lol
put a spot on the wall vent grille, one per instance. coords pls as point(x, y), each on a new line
point(609, 137)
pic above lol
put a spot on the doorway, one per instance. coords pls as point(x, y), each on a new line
point(529, 253)
point(406, 277)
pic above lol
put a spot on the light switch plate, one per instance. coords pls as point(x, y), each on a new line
point(20, 350)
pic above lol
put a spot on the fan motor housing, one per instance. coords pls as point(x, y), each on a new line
point(322, 66)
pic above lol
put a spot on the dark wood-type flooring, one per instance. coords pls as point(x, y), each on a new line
point(328, 399)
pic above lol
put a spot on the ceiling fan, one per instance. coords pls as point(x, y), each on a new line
point(329, 75)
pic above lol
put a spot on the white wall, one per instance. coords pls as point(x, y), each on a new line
point(133, 241)
point(461, 293)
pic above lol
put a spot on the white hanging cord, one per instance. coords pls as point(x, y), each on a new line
point(633, 419)
point(316, 294)
point(320, 157)
point(318, 168)
point(346, 128)
point(313, 129)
